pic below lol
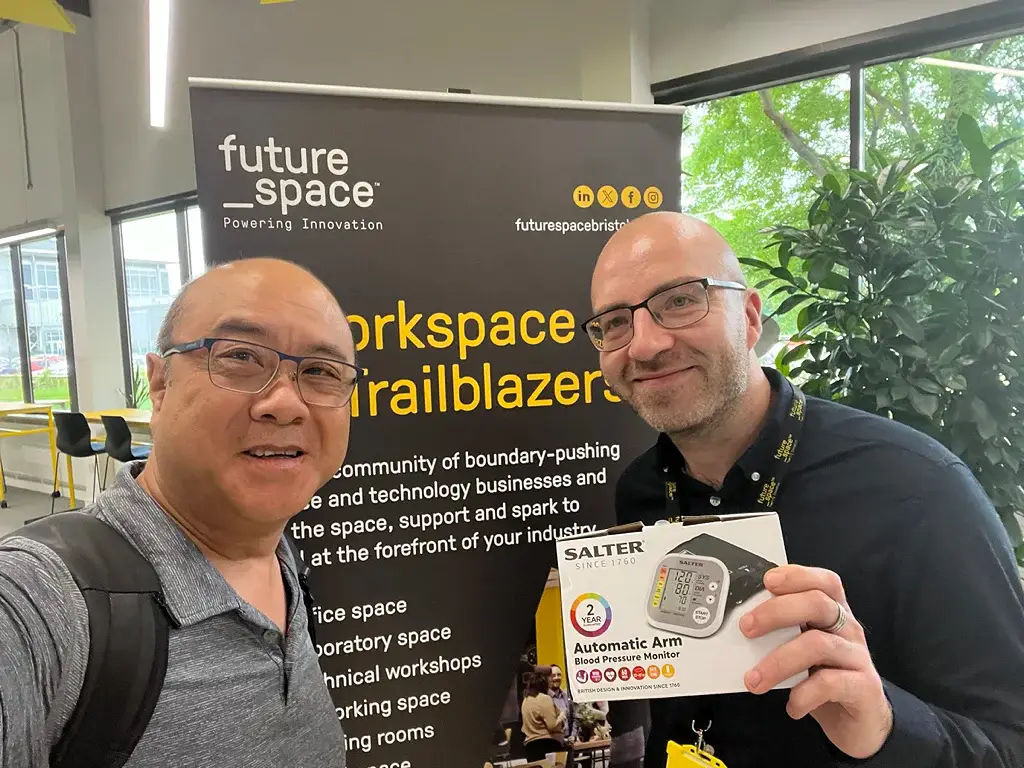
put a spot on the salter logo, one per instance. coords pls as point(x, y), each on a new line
point(288, 177)
point(604, 550)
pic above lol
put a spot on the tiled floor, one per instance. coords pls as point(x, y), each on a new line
point(23, 505)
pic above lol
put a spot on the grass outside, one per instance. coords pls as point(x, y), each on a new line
point(45, 387)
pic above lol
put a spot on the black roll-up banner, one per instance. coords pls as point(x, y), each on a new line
point(459, 234)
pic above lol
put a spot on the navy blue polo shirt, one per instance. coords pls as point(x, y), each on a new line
point(928, 571)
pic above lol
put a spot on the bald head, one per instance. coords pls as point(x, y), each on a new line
point(243, 277)
point(676, 243)
point(251, 412)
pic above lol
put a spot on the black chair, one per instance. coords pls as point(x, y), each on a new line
point(74, 438)
point(119, 441)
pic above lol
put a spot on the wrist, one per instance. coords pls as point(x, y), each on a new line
point(885, 727)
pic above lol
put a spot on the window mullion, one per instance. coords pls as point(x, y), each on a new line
point(22, 318)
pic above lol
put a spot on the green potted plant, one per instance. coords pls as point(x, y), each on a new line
point(907, 289)
point(140, 389)
point(589, 718)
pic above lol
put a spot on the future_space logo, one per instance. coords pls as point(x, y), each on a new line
point(287, 177)
point(590, 614)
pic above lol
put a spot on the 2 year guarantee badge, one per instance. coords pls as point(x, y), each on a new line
point(591, 615)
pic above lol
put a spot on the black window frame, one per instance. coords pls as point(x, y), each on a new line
point(21, 313)
point(850, 55)
point(179, 204)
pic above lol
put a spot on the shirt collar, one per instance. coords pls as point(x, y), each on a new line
point(193, 588)
point(761, 455)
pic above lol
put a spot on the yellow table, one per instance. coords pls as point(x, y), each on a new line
point(135, 417)
point(10, 409)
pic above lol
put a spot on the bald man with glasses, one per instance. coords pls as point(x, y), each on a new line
point(250, 387)
point(901, 576)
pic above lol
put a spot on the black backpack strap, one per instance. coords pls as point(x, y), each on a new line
point(128, 639)
point(307, 595)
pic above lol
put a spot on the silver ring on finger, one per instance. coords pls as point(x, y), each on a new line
point(840, 621)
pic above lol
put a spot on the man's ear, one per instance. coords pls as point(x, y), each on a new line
point(752, 310)
point(157, 373)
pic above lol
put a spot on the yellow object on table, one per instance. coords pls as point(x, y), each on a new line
point(10, 409)
point(688, 756)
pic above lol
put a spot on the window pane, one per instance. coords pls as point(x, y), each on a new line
point(913, 105)
point(752, 161)
point(152, 278)
point(196, 260)
point(44, 313)
point(11, 364)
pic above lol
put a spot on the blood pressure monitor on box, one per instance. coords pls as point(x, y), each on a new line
point(695, 586)
point(648, 611)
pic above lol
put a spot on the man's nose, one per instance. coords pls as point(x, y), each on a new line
point(281, 401)
point(649, 339)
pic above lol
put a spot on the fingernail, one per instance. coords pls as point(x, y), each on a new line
point(753, 679)
point(772, 579)
point(746, 624)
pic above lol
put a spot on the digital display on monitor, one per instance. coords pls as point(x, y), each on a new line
point(679, 587)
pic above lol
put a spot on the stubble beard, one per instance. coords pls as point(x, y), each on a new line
point(691, 411)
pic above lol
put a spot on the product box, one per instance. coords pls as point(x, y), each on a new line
point(655, 612)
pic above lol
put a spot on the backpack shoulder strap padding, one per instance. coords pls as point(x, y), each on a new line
point(129, 629)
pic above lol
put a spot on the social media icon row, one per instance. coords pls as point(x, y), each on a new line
point(608, 197)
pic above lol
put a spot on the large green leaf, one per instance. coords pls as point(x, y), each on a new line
point(831, 183)
point(927, 385)
point(984, 420)
point(835, 282)
point(755, 263)
point(820, 270)
point(974, 142)
point(785, 253)
point(923, 403)
point(791, 303)
point(783, 274)
point(949, 354)
point(957, 382)
point(906, 322)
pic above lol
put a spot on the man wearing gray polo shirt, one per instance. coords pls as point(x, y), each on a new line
point(250, 392)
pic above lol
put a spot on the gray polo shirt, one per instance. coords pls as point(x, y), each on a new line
point(237, 693)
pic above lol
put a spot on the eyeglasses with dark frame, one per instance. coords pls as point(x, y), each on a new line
point(249, 368)
point(675, 307)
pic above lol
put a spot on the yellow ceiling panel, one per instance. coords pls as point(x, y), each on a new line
point(39, 13)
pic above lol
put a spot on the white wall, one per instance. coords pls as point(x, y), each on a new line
point(691, 37)
point(41, 64)
point(527, 47)
point(88, 236)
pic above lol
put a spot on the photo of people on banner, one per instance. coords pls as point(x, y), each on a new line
point(540, 723)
